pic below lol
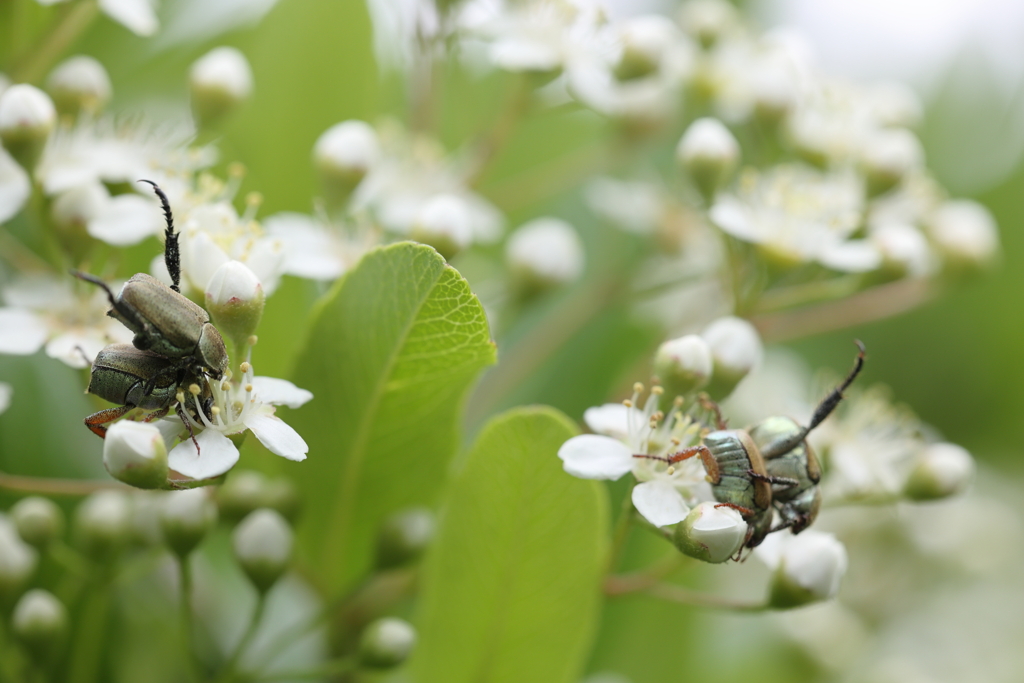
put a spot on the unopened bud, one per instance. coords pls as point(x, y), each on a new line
point(17, 561)
point(444, 223)
point(74, 209)
point(5, 396)
point(904, 250)
point(185, 517)
point(683, 365)
point(645, 39)
point(888, 156)
point(707, 20)
point(79, 83)
point(343, 155)
point(544, 253)
point(808, 567)
point(709, 153)
point(263, 546)
point(235, 300)
point(147, 507)
point(711, 533)
point(39, 520)
point(135, 453)
point(219, 81)
point(735, 350)
point(102, 523)
point(27, 117)
point(386, 643)
point(965, 233)
point(243, 492)
point(281, 495)
point(939, 471)
point(404, 536)
point(40, 622)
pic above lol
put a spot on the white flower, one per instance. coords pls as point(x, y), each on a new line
point(797, 215)
point(238, 406)
point(410, 172)
point(870, 446)
point(212, 234)
point(71, 323)
point(15, 187)
point(635, 206)
point(79, 83)
point(639, 78)
point(666, 491)
point(317, 250)
point(546, 250)
point(537, 35)
point(808, 567)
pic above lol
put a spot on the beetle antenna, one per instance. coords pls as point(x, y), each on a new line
point(172, 255)
point(824, 409)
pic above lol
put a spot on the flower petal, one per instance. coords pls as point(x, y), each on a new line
point(277, 436)
point(126, 219)
point(612, 419)
point(216, 455)
point(659, 502)
point(280, 392)
point(15, 186)
point(590, 456)
point(21, 332)
point(75, 349)
point(135, 15)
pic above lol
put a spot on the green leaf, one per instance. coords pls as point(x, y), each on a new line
point(512, 584)
point(391, 353)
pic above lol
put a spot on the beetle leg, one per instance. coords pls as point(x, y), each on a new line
point(707, 404)
point(784, 481)
point(188, 425)
point(744, 511)
point(96, 421)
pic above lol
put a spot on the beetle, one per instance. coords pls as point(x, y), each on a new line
point(123, 374)
point(788, 456)
point(765, 468)
point(164, 321)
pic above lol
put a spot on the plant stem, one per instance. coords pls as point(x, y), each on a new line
point(56, 487)
point(870, 305)
point(71, 24)
point(621, 533)
point(229, 670)
point(185, 615)
point(673, 593)
point(498, 136)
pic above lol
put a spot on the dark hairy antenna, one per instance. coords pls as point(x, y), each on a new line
point(172, 256)
point(824, 409)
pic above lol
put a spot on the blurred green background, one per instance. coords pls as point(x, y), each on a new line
point(956, 360)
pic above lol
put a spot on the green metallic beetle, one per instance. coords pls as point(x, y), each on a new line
point(164, 321)
point(122, 374)
point(790, 461)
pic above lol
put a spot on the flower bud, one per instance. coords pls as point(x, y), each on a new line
point(135, 453)
point(904, 250)
point(263, 545)
point(808, 567)
point(72, 212)
point(888, 156)
point(939, 471)
point(17, 561)
point(343, 155)
point(404, 536)
point(281, 495)
point(103, 523)
point(219, 81)
point(40, 622)
point(185, 517)
point(27, 117)
point(235, 300)
point(544, 253)
point(709, 153)
point(386, 643)
point(645, 40)
point(444, 222)
point(683, 365)
point(79, 83)
point(38, 520)
point(711, 533)
point(735, 351)
point(243, 492)
point(965, 233)
point(707, 20)
point(147, 507)
point(5, 396)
